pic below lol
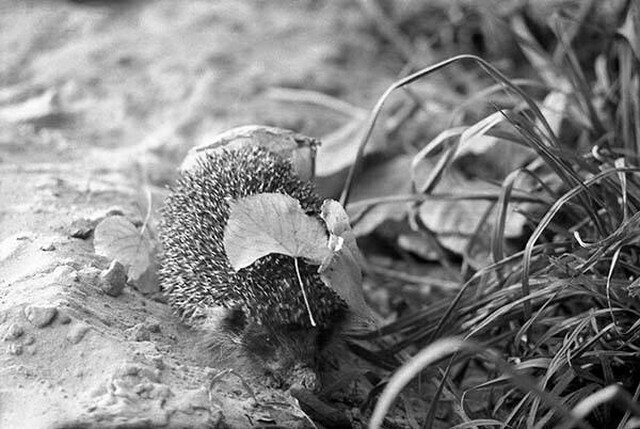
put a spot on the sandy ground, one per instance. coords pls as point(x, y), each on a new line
point(98, 104)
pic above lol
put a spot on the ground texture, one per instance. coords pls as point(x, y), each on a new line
point(98, 104)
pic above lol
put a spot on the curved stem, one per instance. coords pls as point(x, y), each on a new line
point(486, 66)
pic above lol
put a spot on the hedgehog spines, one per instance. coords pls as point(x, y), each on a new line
point(196, 273)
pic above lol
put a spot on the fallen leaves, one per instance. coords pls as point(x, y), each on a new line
point(442, 186)
point(342, 270)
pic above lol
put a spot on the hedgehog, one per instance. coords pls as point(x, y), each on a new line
point(265, 305)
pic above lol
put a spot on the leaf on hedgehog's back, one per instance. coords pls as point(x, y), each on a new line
point(117, 238)
point(267, 223)
point(341, 270)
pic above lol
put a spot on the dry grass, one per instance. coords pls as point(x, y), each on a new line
point(549, 332)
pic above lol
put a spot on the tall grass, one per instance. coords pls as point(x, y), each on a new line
point(549, 333)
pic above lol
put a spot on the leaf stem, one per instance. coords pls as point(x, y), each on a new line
point(304, 294)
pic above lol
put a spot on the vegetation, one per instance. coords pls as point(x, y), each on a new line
point(544, 330)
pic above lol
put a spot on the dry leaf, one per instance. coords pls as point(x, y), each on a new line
point(341, 271)
point(455, 221)
point(339, 148)
point(295, 147)
point(337, 222)
point(117, 238)
point(268, 223)
point(388, 178)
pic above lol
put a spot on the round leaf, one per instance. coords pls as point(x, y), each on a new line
point(117, 238)
point(268, 223)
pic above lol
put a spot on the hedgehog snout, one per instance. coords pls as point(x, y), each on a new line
point(304, 377)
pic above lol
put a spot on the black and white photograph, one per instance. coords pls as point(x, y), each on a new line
point(317, 214)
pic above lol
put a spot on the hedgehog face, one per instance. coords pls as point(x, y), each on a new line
point(287, 354)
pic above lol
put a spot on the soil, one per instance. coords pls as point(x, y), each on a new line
point(99, 102)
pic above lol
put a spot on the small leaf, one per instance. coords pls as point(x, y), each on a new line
point(268, 223)
point(341, 270)
point(337, 222)
point(117, 238)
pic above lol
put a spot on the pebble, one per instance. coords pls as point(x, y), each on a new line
point(113, 279)
point(15, 349)
point(89, 275)
point(80, 228)
point(152, 326)
point(77, 332)
point(163, 391)
point(47, 245)
point(142, 388)
point(15, 331)
point(40, 316)
point(99, 390)
point(101, 214)
point(138, 333)
point(194, 399)
point(154, 375)
point(129, 369)
point(123, 389)
point(49, 182)
point(70, 262)
point(10, 245)
point(64, 274)
point(64, 318)
point(157, 361)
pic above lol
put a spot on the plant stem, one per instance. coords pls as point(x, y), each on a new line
point(304, 294)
